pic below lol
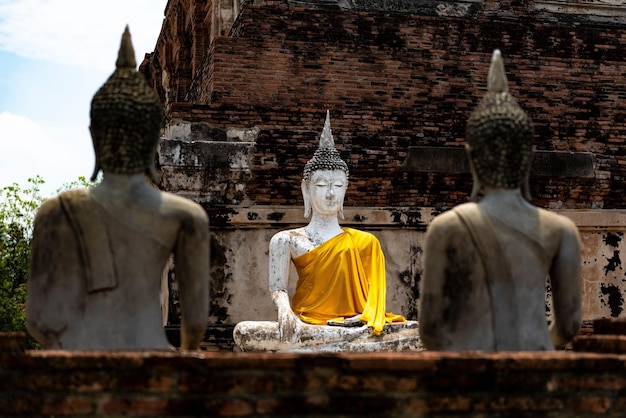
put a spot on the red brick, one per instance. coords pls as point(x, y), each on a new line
point(589, 404)
point(123, 405)
point(235, 408)
point(431, 404)
point(226, 383)
point(351, 73)
point(70, 405)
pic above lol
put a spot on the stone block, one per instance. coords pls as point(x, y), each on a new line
point(454, 160)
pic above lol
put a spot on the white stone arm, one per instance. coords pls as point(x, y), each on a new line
point(279, 262)
point(288, 321)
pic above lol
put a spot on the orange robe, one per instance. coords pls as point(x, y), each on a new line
point(343, 277)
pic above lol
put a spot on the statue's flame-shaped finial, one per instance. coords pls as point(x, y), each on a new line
point(126, 117)
point(497, 81)
point(326, 139)
point(326, 157)
point(126, 54)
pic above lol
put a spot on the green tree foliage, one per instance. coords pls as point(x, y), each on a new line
point(17, 212)
point(18, 206)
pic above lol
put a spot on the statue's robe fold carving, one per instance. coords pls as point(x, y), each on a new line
point(93, 239)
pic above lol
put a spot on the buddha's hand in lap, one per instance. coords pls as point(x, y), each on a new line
point(353, 321)
point(288, 322)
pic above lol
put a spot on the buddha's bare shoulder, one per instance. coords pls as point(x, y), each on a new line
point(181, 207)
point(289, 236)
point(293, 241)
point(449, 220)
point(556, 223)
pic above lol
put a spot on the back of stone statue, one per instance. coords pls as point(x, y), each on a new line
point(98, 254)
point(486, 263)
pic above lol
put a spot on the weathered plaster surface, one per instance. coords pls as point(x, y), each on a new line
point(604, 257)
point(205, 163)
point(242, 288)
point(240, 271)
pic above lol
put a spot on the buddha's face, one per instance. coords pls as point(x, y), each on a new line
point(327, 189)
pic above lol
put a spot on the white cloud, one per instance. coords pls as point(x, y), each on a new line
point(84, 33)
point(56, 54)
point(28, 150)
point(14, 129)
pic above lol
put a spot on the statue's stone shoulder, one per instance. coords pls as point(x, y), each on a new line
point(51, 210)
point(448, 221)
point(180, 206)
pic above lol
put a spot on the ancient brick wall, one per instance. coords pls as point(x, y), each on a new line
point(426, 384)
point(400, 79)
point(396, 80)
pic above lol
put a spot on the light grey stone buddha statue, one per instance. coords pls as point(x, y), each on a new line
point(340, 298)
point(98, 254)
point(486, 263)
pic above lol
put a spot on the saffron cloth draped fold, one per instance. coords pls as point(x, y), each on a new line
point(343, 277)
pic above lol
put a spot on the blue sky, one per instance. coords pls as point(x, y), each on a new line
point(54, 55)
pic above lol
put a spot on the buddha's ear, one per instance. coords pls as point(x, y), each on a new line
point(96, 168)
point(525, 184)
point(342, 200)
point(476, 184)
point(306, 197)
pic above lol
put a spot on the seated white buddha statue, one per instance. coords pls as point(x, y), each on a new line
point(340, 299)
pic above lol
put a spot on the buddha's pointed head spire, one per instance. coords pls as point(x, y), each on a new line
point(326, 157)
point(326, 139)
point(499, 136)
point(126, 54)
point(126, 118)
point(496, 80)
